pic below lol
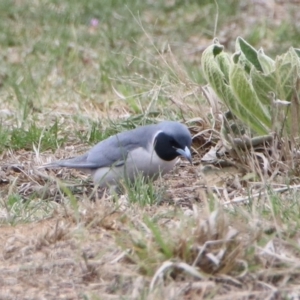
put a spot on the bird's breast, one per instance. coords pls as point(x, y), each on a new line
point(147, 162)
point(139, 161)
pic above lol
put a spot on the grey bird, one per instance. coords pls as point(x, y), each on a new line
point(150, 150)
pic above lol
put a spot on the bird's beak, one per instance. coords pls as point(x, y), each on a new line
point(185, 153)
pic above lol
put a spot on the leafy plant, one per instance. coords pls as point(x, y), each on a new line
point(255, 88)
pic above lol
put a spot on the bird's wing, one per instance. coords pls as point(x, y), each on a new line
point(76, 162)
point(112, 151)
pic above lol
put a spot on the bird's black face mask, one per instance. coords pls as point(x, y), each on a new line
point(168, 148)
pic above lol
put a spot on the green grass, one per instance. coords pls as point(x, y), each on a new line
point(20, 211)
point(65, 85)
point(52, 54)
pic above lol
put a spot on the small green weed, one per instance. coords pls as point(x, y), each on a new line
point(19, 210)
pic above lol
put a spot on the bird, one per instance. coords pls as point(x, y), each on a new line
point(149, 150)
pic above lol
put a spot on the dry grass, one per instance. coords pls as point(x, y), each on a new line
point(188, 247)
point(106, 252)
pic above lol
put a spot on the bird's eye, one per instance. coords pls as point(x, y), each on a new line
point(174, 144)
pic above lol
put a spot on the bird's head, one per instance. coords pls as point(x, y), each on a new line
point(173, 140)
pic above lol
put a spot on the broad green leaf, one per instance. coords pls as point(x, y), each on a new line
point(281, 81)
point(263, 84)
point(223, 60)
point(218, 48)
point(212, 71)
point(266, 62)
point(240, 57)
point(285, 79)
point(240, 112)
point(237, 56)
point(249, 52)
point(244, 92)
point(287, 71)
point(217, 80)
